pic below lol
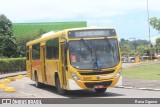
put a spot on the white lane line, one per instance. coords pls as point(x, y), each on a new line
point(26, 93)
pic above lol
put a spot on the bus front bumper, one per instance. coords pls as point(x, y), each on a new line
point(81, 85)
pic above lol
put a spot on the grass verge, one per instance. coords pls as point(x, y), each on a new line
point(149, 72)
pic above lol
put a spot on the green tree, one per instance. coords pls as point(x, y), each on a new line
point(131, 47)
point(158, 41)
point(155, 23)
point(141, 49)
point(125, 50)
point(158, 45)
point(8, 44)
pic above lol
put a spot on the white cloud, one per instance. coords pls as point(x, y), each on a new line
point(95, 12)
point(28, 10)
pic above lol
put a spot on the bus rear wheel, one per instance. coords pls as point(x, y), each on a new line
point(60, 91)
point(37, 83)
point(100, 90)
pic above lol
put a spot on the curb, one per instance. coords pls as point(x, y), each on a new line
point(2, 76)
point(144, 63)
point(149, 89)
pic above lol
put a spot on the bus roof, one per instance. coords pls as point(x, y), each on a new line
point(85, 28)
point(54, 35)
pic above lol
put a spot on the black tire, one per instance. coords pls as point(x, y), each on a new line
point(100, 90)
point(37, 83)
point(60, 91)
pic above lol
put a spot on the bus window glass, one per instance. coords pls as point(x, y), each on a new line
point(49, 49)
point(93, 54)
point(56, 48)
point(52, 49)
point(36, 51)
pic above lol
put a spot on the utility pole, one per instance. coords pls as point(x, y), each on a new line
point(149, 31)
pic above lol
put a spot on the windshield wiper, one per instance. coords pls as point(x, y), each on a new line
point(108, 43)
point(90, 49)
point(86, 44)
point(97, 62)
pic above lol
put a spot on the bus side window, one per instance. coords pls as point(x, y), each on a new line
point(56, 48)
point(52, 49)
point(27, 56)
point(36, 51)
point(49, 49)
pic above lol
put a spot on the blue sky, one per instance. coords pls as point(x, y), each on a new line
point(128, 17)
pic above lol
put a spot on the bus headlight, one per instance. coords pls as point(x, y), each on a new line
point(118, 73)
point(74, 76)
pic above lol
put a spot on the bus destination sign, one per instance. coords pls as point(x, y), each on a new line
point(91, 33)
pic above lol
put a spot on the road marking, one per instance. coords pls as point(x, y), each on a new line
point(119, 86)
point(156, 89)
point(26, 93)
point(128, 87)
point(151, 89)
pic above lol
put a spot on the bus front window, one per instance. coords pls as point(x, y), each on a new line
point(94, 54)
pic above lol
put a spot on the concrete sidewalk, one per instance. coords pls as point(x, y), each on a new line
point(140, 83)
point(2, 76)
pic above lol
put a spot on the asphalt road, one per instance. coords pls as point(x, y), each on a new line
point(25, 88)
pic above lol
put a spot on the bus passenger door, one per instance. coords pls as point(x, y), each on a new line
point(64, 64)
point(43, 63)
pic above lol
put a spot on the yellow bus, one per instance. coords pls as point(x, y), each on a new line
point(75, 59)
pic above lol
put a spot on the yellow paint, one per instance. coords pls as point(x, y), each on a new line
point(19, 77)
point(137, 59)
point(11, 78)
point(2, 82)
point(9, 89)
point(6, 80)
point(2, 85)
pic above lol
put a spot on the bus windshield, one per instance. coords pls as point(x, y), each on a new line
point(94, 54)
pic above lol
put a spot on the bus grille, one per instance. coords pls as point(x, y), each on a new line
point(92, 84)
point(98, 73)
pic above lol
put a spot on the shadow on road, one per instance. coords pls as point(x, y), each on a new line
point(79, 93)
point(90, 93)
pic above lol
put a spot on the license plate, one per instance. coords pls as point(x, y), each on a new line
point(98, 86)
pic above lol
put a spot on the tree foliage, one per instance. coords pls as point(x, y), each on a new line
point(8, 44)
point(131, 47)
point(155, 23)
point(158, 41)
point(5, 26)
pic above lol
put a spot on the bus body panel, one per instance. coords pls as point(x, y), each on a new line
point(51, 69)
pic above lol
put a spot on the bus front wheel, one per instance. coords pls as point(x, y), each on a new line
point(60, 91)
point(100, 90)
